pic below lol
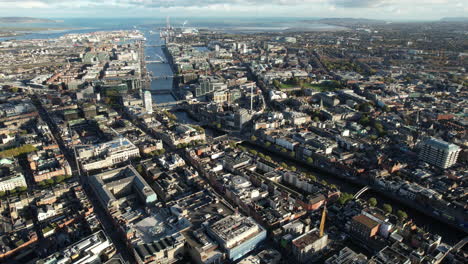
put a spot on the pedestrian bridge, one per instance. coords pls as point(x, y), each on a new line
point(360, 192)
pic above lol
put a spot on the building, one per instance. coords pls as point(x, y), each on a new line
point(148, 101)
point(88, 250)
point(439, 153)
point(10, 176)
point(306, 246)
point(107, 154)
point(347, 256)
point(166, 250)
point(237, 234)
point(111, 185)
point(364, 227)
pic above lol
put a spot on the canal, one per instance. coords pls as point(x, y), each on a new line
point(449, 234)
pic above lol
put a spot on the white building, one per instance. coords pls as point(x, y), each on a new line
point(439, 153)
point(107, 154)
point(148, 101)
point(88, 250)
point(10, 176)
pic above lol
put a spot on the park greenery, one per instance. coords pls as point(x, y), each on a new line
point(14, 152)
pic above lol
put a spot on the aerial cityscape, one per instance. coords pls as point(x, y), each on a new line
point(211, 132)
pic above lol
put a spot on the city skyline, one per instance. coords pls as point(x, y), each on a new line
point(381, 9)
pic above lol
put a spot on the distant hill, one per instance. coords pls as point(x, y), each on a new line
point(454, 19)
point(25, 20)
point(347, 20)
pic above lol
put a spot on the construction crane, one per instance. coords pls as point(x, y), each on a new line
point(322, 222)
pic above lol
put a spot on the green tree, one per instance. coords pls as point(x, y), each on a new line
point(292, 154)
point(13, 191)
point(59, 179)
point(253, 138)
point(333, 186)
point(21, 188)
point(276, 83)
point(387, 208)
point(268, 158)
point(49, 181)
point(402, 215)
point(312, 177)
point(372, 202)
point(267, 144)
point(344, 198)
point(310, 160)
point(2, 193)
point(284, 165)
point(261, 155)
point(284, 150)
point(293, 168)
point(218, 126)
point(253, 152)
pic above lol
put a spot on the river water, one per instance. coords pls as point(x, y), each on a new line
point(158, 69)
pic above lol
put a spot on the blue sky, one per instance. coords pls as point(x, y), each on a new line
point(381, 9)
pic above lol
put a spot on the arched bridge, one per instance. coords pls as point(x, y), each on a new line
point(360, 192)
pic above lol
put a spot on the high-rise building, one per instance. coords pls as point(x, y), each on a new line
point(148, 101)
point(439, 153)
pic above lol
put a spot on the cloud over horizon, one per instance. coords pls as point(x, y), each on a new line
point(322, 8)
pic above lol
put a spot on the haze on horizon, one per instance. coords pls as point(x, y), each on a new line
point(374, 9)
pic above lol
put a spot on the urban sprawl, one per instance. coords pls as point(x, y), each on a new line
point(309, 147)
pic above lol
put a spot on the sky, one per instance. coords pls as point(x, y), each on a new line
point(375, 9)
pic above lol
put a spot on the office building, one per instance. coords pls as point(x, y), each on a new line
point(148, 101)
point(347, 256)
point(110, 186)
point(364, 227)
point(10, 176)
point(89, 250)
point(306, 246)
point(439, 153)
point(237, 234)
point(106, 154)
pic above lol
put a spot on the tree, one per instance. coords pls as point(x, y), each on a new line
point(284, 150)
point(218, 126)
point(139, 168)
point(253, 152)
point(59, 179)
point(333, 186)
point(310, 160)
point(49, 181)
point(21, 188)
point(402, 215)
point(267, 144)
point(292, 154)
point(316, 119)
point(276, 83)
point(253, 138)
point(261, 155)
point(42, 183)
point(12, 191)
point(268, 158)
point(324, 182)
point(312, 177)
point(372, 202)
point(293, 168)
point(2, 193)
point(387, 208)
point(283, 164)
point(344, 198)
